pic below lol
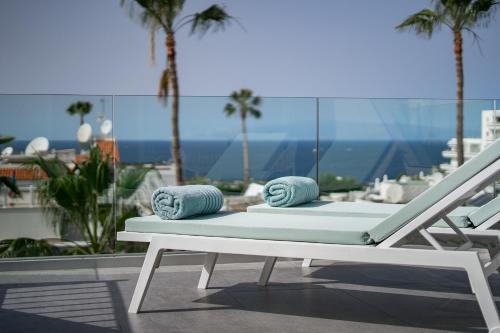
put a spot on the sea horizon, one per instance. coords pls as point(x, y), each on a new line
point(222, 159)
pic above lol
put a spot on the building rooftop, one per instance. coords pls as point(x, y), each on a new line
point(340, 297)
point(21, 172)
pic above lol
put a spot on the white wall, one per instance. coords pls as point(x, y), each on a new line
point(25, 222)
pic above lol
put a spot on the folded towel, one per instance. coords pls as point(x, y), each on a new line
point(290, 191)
point(177, 202)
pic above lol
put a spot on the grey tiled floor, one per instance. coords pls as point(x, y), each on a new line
point(342, 297)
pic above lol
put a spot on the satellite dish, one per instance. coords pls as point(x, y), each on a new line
point(84, 133)
point(7, 152)
point(106, 127)
point(37, 145)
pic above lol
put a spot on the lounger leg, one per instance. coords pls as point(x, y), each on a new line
point(307, 262)
point(145, 276)
point(208, 268)
point(481, 287)
point(158, 259)
point(267, 270)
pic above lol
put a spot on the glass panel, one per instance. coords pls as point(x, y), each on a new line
point(281, 142)
point(64, 208)
point(390, 150)
point(58, 199)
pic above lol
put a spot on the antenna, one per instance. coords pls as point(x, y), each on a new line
point(84, 133)
point(100, 115)
point(37, 145)
point(7, 152)
point(106, 127)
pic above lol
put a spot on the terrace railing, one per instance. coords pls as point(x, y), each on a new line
point(349, 145)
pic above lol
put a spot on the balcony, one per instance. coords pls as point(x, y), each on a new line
point(340, 297)
point(451, 154)
point(346, 144)
point(61, 272)
point(493, 125)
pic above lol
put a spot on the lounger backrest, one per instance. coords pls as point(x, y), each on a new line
point(485, 212)
point(431, 196)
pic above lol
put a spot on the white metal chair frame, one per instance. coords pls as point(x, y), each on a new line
point(486, 225)
point(388, 251)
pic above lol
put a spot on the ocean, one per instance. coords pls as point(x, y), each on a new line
point(222, 160)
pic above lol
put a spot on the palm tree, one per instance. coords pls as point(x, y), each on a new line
point(81, 109)
point(165, 15)
point(247, 104)
point(79, 197)
point(459, 16)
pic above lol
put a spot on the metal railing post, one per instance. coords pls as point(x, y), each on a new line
point(495, 192)
point(114, 169)
point(317, 140)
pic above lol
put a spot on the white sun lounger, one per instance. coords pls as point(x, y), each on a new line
point(334, 238)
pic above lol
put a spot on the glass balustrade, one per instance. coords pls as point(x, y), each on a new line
point(75, 167)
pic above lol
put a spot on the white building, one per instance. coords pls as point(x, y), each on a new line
point(490, 127)
point(490, 131)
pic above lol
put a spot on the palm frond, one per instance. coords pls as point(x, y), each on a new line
point(214, 17)
point(235, 96)
point(66, 201)
point(461, 14)
point(52, 168)
point(163, 87)
point(480, 13)
point(254, 112)
point(246, 93)
point(152, 44)
point(129, 180)
point(96, 171)
point(245, 102)
point(229, 109)
point(171, 10)
point(475, 39)
point(6, 139)
point(256, 101)
point(423, 23)
point(80, 108)
point(155, 13)
point(9, 182)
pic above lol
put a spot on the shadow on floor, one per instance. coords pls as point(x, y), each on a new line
point(404, 277)
point(83, 306)
point(376, 294)
point(460, 315)
point(349, 295)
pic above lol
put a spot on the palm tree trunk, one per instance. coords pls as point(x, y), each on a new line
point(81, 119)
point(174, 118)
point(460, 96)
point(246, 167)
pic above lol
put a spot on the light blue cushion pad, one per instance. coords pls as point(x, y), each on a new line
point(358, 209)
point(485, 212)
point(318, 229)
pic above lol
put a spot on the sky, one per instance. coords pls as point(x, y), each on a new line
point(286, 48)
point(329, 48)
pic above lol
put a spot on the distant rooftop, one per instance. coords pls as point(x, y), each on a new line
point(21, 172)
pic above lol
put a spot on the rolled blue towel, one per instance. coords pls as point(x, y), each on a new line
point(177, 202)
point(290, 191)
